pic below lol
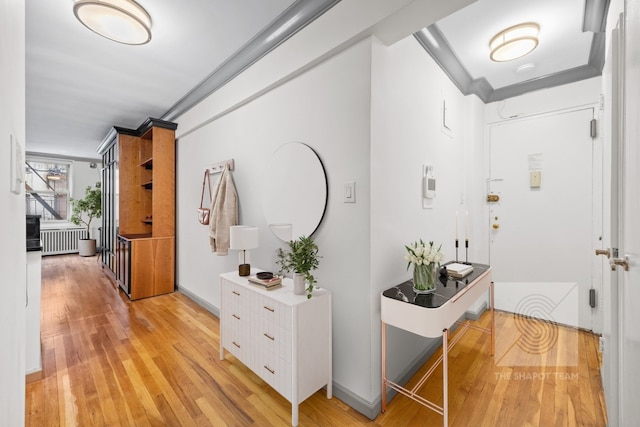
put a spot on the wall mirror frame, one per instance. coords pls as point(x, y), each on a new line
point(294, 191)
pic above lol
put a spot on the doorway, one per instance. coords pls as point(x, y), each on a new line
point(544, 226)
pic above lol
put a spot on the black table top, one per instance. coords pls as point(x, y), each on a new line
point(446, 288)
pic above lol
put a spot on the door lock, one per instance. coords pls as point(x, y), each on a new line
point(622, 262)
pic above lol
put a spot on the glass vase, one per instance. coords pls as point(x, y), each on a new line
point(424, 278)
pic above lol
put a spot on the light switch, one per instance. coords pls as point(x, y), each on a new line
point(535, 177)
point(350, 192)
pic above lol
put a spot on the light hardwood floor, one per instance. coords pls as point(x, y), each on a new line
point(154, 362)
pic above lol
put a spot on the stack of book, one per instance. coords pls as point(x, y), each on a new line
point(269, 284)
point(458, 270)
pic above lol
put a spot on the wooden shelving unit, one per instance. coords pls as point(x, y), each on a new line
point(147, 208)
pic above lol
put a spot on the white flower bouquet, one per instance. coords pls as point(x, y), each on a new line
point(418, 254)
point(425, 260)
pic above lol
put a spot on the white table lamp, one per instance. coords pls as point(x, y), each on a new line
point(243, 238)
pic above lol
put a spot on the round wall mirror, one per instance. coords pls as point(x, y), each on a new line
point(294, 192)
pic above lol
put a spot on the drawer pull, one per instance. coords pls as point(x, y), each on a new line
point(269, 336)
point(236, 316)
point(269, 308)
point(235, 293)
point(236, 344)
point(269, 369)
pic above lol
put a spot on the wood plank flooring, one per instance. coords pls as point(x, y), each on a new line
point(154, 362)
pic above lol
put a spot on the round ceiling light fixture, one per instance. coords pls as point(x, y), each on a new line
point(123, 21)
point(514, 42)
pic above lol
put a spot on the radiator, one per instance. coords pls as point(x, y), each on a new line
point(61, 241)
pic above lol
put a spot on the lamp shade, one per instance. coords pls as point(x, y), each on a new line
point(243, 237)
point(123, 21)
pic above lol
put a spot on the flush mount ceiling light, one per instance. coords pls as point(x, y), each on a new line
point(123, 21)
point(514, 42)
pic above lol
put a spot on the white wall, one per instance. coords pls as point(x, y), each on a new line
point(82, 177)
point(373, 114)
point(407, 96)
point(584, 92)
point(302, 92)
point(12, 227)
point(344, 107)
point(327, 108)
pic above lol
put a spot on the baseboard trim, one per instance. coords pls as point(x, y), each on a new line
point(366, 408)
point(202, 303)
point(372, 409)
point(33, 377)
point(475, 315)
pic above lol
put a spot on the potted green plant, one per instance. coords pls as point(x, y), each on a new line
point(300, 258)
point(83, 211)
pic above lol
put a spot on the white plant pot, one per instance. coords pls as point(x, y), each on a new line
point(298, 284)
point(87, 247)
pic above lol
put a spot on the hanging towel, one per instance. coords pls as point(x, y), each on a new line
point(224, 212)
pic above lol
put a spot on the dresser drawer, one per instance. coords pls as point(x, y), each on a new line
point(274, 339)
point(274, 312)
point(236, 324)
point(275, 372)
point(238, 344)
point(236, 299)
point(257, 326)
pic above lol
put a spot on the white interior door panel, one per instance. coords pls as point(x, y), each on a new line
point(542, 232)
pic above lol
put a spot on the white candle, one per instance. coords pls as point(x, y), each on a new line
point(466, 225)
point(456, 225)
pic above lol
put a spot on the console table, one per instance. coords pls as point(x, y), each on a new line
point(284, 338)
point(432, 315)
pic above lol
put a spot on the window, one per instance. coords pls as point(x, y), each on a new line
point(47, 188)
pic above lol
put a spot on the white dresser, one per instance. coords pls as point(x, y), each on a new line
point(282, 337)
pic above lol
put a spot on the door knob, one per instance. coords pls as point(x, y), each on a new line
point(603, 252)
point(496, 226)
point(622, 262)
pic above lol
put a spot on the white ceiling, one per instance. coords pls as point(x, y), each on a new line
point(562, 44)
point(79, 85)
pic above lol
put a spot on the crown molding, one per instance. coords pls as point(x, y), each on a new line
point(436, 45)
point(295, 18)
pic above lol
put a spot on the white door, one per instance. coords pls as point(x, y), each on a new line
point(542, 227)
point(629, 232)
point(610, 297)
